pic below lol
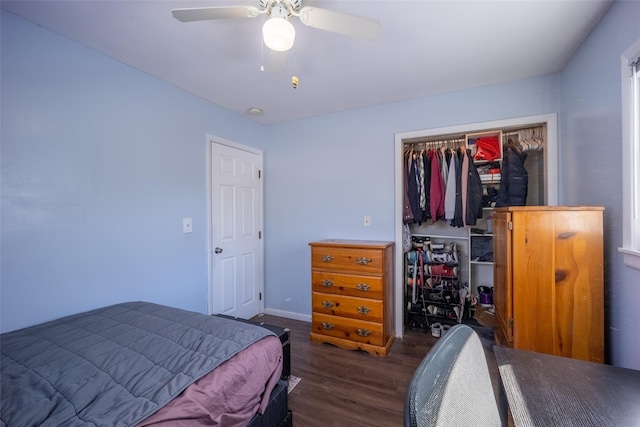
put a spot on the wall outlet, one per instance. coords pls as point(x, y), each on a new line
point(367, 221)
point(186, 225)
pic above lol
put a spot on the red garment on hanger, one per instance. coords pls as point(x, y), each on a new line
point(436, 189)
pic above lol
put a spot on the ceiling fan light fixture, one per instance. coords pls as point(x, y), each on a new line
point(278, 34)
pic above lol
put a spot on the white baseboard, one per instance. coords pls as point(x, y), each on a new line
point(288, 314)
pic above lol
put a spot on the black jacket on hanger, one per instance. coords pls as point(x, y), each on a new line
point(474, 194)
point(514, 179)
point(457, 217)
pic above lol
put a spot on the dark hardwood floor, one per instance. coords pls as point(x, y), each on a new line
point(353, 388)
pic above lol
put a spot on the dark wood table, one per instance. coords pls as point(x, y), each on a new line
point(545, 390)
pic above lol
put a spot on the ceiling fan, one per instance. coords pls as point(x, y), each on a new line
point(278, 32)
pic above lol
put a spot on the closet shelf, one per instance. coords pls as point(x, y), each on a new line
point(490, 178)
point(436, 236)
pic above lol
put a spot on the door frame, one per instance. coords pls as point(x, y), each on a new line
point(551, 183)
point(212, 139)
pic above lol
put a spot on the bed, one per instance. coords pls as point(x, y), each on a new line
point(141, 364)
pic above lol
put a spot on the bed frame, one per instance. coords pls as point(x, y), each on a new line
point(277, 413)
point(282, 333)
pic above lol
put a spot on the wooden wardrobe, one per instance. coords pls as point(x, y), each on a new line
point(548, 280)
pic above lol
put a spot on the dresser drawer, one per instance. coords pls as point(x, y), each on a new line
point(349, 329)
point(355, 308)
point(347, 284)
point(364, 260)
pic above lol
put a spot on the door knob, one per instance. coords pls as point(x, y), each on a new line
point(218, 250)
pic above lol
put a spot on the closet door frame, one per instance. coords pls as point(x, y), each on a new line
point(551, 181)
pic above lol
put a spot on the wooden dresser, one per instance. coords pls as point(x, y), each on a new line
point(352, 294)
point(549, 280)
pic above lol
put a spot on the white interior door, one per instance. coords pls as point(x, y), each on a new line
point(236, 221)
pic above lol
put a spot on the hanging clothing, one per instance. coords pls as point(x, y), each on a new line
point(451, 188)
point(465, 179)
point(427, 187)
point(457, 216)
point(474, 194)
point(407, 213)
point(441, 184)
point(444, 165)
point(514, 179)
point(423, 195)
point(436, 188)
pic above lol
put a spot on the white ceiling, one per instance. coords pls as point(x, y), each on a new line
point(425, 47)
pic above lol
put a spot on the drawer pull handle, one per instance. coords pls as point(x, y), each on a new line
point(327, 325)
point(327, 304)
point(363, 310)
point(327, 258)
point(327, 283)
point(363, 287)
point(363, 332)
point(364, 261)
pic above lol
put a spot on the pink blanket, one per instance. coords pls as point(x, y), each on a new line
point(231, 394)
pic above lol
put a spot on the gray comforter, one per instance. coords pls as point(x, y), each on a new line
point(111, 366)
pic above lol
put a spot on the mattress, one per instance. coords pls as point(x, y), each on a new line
point(126, 364)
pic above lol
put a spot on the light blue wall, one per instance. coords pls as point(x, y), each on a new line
point(100, 163)
point(592, 162)
point(324, 174)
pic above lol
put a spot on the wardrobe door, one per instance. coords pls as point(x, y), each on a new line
point(558, 282)
point(533, 281)
point(502, 286)
point(578, 287)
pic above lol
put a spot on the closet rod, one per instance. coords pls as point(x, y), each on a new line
point(528, 139)
point(520, 131)
point(448, 143)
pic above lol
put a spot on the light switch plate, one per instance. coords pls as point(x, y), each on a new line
point(186, 225)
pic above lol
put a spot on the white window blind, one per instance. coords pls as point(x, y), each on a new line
point(635, 144)
point(631, 155)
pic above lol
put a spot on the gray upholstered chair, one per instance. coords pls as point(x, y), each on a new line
point(452, 386)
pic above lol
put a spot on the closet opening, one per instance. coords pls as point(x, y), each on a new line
point(461, 246)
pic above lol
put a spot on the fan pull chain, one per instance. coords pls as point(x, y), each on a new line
point(261, 55)
point(294, 77)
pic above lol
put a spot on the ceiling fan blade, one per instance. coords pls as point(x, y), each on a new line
point(277, 61)
point(341, 23)
point(222, 12)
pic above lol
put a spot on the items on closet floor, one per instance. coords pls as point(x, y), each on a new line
point(433, 292)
